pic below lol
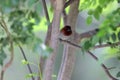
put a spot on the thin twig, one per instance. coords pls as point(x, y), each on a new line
point(111, 68)
point(46, 11)
point(48, 36)
point(106, 45)
point(107, 72)
point(28, 65)
point(103, 66)
point(47, 40)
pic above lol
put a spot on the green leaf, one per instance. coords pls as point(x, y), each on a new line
point(87, 45)
point(89, 20)
point(4, 41)
point(38, 7)
point(107, 36)
point(49, 49)
point(90, 12)
point(100, 41)
point(118, 1)
point(101, 2)
point(99, 9)
point(113, 36)
point(94, 40)
point(118, 74)
point(119, 36)
point(25, 62)
point(54, 76)
point(31, 75)
point(112, 27)
point(96, 15)
point(31, 2)
point(2, 56)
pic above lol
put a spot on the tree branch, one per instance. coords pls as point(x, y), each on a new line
point(68, 58)
point(58, 8)
point(64, 12)
point(4, 26)
point(46, 11)
point(64, 17)
point(106, 45)
point(87, 34)
point(92, 55)
point(23, 53)
point(48, 36)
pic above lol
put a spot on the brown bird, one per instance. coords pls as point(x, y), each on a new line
point(65, 32)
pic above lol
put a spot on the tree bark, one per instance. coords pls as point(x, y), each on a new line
point(58, 8)
point(69, 52)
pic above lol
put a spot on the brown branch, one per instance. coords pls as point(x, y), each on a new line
point(47, 40)
point(4, 26)
point(107, 72)
point(68, 58)
point(58, 8)
point(106, 45)
point(23, 53)
point(64, 12)
point(46, 11)
point(64, 17)
point(111, 68)
point(90, 53)
point(48, 37)
point(88, 34)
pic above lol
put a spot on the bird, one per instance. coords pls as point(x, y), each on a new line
point(65, 32)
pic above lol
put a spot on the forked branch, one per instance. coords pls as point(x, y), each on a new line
point(8, 64)
point(93, 56)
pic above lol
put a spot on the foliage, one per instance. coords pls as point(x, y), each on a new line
point(21, 17)
point(2, 56)
point(108, 30)
point(118, 74)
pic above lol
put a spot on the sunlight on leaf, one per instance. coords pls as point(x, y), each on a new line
point(67, 9)
point(89, 20)
point(112, 6)
point(24, 62)
point(50, 12)
point(54, 76)
point(42, 26)
point(31, 75)
point(111, 52)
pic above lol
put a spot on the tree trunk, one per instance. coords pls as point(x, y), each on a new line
point(69, 52)
point(58, 8)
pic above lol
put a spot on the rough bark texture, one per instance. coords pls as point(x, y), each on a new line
point(58, 8)
point(69, 52)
